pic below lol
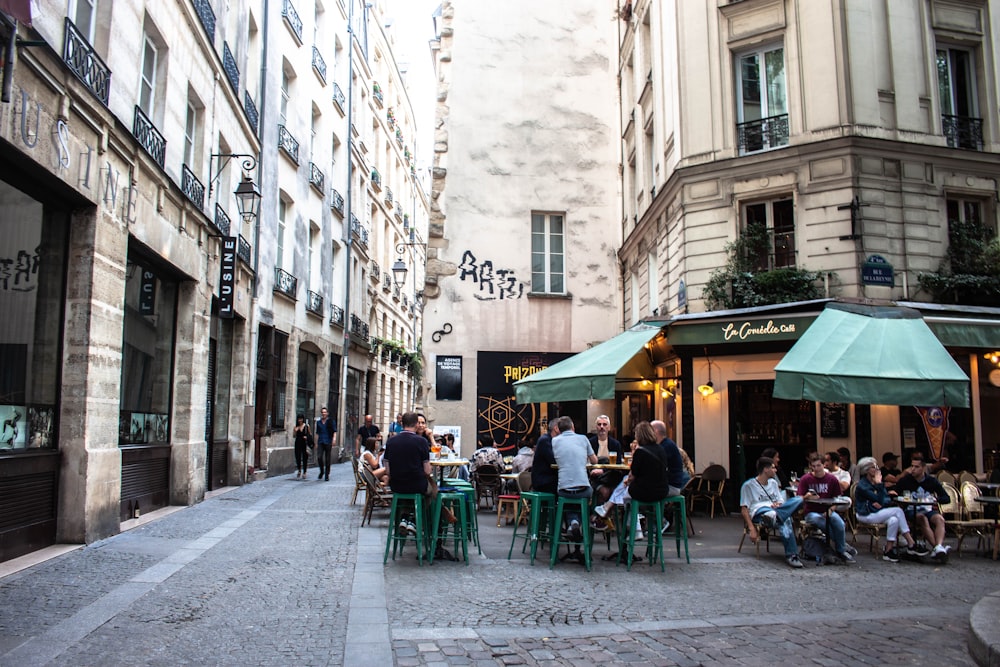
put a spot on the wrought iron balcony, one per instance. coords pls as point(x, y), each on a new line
point(363, 241)
point(337, 203)
point(316, 178)
point(359, 328)
point(338, 97)
point(396, 293)
point(285, 283)
point(399, 137)
point(377, 94)
point(314, 303)
point(406, 301)
point(222, 222)
point(962, 132)
point(319, 65)
point(149, 137)
point(406, 222)
point(386, 282)
point(390, 119)
point(288, 144)
point(388, 196)
point(376, 271)
point(399, 211)
point(251, 109)
point(232, 71)
point(763, 134)
point(376, 179)
point(337, 315)
point(203, 8)
point(244, 251)
point(292, 20)
point(355, 226)
point(192, 187)
point(84, 62)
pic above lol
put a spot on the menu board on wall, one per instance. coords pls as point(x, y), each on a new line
point(833, 420)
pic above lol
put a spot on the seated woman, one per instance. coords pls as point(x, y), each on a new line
point(372, 457)
point(872, 506)
point(647, 478)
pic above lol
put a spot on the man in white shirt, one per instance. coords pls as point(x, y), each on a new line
point(831, 461)
point(763, 501)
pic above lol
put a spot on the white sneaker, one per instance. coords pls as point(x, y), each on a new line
point(666, 527)
point(639, 535)
point(601, 510)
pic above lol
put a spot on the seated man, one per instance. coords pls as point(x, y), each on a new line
point(818, 483)
point(831, 460)
point(916, 481)
point(890, 469)
point(572, 452)
point(407, 463)
point(543, 477)
point(487, 454)
point(763, 501)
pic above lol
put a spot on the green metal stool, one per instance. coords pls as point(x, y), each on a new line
point(680, 527)
point(539, 504)
point(654, 533)
point(396, 538)
point(472, 519)
point(557, 536)
point(456, 501)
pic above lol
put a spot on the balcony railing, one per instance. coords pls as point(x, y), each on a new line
point(316, 178)
point(399, 137)
point(763, 134)
point(244, 251)
point(355, 226)
point(962, 132)
point(288, 144)
point(338, 97)
point(222, 222)
point(192, 187)
point(363, 241)
point(377, 95)
point(319, 65)
point(292, 19)
point(203, 8)
point(406, 222)
point(388, 196)
point(337, 315)
point(84, 62)
point(399, 212)
point(396, 292)
point(285, 283)
point(376, 179)
point(232, 71)
point(252, 115)
point(376, 271)
point(314, 303)
point(149, 137)
point(337, 203)
point(359, 328)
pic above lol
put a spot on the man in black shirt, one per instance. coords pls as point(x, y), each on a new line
point(368, 430)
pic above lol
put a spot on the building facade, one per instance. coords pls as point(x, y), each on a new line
point(852, 141)
point(155, 336)
point(521, 265)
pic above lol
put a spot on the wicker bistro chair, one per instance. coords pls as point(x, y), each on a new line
point(711, 484)
point(487, 482)
point(946, 477)
point(957, 521)
point(375, 496)
point(359, 479)
point(875, 531)
point(979, 525)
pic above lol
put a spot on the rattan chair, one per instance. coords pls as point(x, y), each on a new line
point(375, 496)
point(957, 520)
point(487, 482)
point(711, 484)
point(875, 531)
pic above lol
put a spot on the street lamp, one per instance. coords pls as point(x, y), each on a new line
point(247, 193)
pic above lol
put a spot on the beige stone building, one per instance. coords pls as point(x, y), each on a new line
point(522, 268)
point(155, 339)
point(854, 140)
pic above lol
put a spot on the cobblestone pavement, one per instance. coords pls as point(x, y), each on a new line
point(281, 572)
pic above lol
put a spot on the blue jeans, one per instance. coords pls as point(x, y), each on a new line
point(836, 531)
point(784, 522)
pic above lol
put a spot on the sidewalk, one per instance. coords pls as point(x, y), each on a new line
point(280, 572)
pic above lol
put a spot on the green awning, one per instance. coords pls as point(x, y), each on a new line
point(961, 332)
point(870, 355)
point(591, 373)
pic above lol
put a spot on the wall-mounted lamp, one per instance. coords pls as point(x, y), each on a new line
point(994, 357)
point(708, 388)
point(247, 193)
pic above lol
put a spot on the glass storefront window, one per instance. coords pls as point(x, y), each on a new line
point(147, 356)
point(305, 390)
point(32, 278)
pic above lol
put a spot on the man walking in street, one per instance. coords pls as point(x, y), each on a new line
point(325, 430)
point(763, 501)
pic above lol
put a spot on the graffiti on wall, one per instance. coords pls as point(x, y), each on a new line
point(494, 284)
point(20, 274)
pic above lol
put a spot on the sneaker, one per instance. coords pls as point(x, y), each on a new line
point(666, 527)
point(601, 511)
point(770, 519)
point(574, 533)
point(890, 555)
point(639, 535)
point(940, 553)
point(793, 561)
point(403, 527)
point(851, 550)
point(847, 557)
point(917, 550)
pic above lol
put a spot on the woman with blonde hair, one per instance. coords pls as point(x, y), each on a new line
point(872, 505)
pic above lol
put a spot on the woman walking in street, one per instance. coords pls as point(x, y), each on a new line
point(303, 442)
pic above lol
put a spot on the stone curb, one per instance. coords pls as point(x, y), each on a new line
point(984, 638)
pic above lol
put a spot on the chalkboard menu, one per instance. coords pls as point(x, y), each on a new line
point(833, 420)
point(449, 378)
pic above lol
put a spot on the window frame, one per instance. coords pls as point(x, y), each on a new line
point(772, 251)
point(148, 44)
point(549, 272)
point(768, 128)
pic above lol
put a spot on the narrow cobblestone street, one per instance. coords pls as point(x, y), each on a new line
point(281, 572)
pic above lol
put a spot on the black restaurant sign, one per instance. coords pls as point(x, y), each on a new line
point(448, 377)
point(227, 278)
point(147, 293)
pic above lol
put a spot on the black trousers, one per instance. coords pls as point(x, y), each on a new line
point(324, 454)
point(301, 457)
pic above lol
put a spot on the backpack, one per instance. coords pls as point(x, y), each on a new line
point(816, 549)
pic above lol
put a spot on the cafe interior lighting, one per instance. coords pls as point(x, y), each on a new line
point(708, 388)
point(994, 357)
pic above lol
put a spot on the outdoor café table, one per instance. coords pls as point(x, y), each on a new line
point(441, 464)
point(911, 504)
point(993, 500)
point(830, 504)
point(988, 486)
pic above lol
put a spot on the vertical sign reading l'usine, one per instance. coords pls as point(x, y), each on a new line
point(227, 279)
